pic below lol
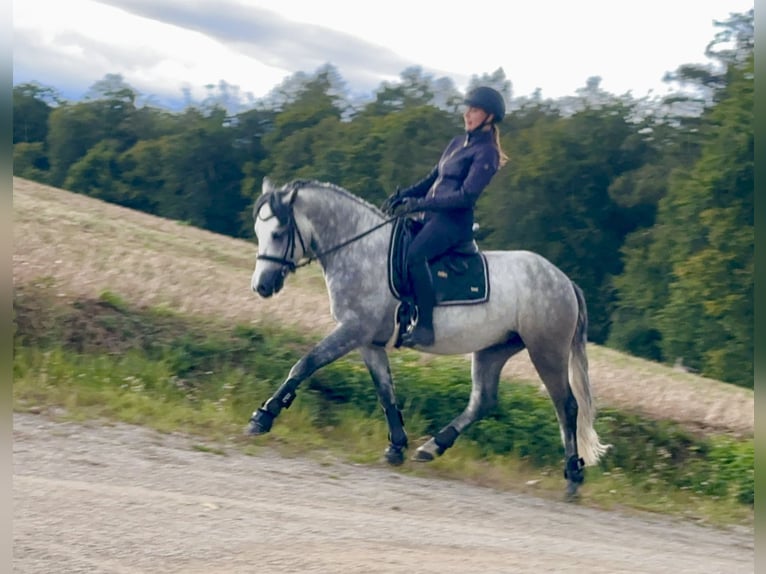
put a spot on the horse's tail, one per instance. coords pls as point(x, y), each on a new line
point(588, 445)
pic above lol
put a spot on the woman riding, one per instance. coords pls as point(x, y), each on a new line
point(447, 196)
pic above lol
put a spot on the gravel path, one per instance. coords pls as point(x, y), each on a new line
point(122, 499)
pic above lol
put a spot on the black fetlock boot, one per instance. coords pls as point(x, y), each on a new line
point(422, 334)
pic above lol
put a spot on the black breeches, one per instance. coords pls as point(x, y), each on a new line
point(432, 240)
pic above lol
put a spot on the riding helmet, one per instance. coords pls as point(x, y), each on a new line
point(489, 100)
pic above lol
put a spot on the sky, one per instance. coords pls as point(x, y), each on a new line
point(163, 47)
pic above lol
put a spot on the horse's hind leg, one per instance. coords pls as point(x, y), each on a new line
point(486, 366)
point(553, 368)
point(377, 363)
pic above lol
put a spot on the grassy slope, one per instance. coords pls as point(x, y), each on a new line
point(88, 247)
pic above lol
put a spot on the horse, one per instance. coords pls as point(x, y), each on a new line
point(533, 305)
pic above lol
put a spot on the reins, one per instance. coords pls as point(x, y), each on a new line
point(295, 231)
point(344, 243)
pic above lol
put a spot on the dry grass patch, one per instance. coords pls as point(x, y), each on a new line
point(87, 247)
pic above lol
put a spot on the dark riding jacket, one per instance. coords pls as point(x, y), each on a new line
point(450, 191)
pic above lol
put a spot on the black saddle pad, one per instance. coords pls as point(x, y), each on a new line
point(458, 278)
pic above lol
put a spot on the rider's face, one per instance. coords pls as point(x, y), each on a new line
point(473, 117)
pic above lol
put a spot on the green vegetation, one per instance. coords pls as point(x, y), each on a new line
point(105, 359)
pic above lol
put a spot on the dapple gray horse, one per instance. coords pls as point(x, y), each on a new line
point(533, 305)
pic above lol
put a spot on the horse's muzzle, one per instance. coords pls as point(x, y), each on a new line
point(270, 283)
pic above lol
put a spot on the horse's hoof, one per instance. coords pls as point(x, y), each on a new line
point(574, 471)
point(572, 494)
point(394, 455)
point(428, 451)
point(422, 456)
point(260, 423)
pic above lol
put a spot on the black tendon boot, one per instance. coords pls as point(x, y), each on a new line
point(422, 335)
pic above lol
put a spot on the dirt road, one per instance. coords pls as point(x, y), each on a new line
point(126, 500)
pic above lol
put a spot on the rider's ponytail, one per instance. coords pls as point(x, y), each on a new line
point(503, 155)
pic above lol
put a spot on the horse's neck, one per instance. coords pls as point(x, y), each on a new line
point(336, 219)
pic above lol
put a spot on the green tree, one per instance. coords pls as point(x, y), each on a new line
point(30, 161)
point(686, 290)
point(32, 105)
point(114, 102)
point(249, 130)
point(142, 169)
point(711, 285)
point(148, 123)
point(201, 174)
point(411, 143)
point(312, 117)
point(73, 130)
point(107, 113)
point(97, 173)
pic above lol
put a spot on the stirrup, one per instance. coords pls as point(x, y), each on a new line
point(418, 336)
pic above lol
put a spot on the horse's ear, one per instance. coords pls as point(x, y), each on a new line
point(267, 186)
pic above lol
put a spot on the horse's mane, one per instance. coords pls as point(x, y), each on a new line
point(301, 183)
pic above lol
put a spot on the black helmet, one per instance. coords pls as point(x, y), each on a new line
point(488, 100)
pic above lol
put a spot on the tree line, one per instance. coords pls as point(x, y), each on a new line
point(647, 203)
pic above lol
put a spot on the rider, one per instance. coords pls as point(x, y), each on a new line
point(447, 196)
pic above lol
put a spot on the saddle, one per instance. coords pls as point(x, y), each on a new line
point(459, 276)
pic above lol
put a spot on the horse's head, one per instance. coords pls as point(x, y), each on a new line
point(280, 244)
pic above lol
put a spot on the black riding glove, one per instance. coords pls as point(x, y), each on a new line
point(392, 202)
point(408, 205)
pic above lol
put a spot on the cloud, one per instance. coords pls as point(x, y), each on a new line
point(72, 62)
point(68, 63)
point(275, 41)
point(162, 47)
point(165, 48)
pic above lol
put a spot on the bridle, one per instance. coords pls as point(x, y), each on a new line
point(284, 214)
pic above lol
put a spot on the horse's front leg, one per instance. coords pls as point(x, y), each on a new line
point(376, 359)
point(341, 341)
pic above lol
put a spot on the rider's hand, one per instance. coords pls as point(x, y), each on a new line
point(408, 205)
point(392, 202)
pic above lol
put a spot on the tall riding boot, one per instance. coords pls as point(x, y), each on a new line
point(422, 335)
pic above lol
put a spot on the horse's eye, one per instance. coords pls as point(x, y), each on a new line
point(277, 235)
